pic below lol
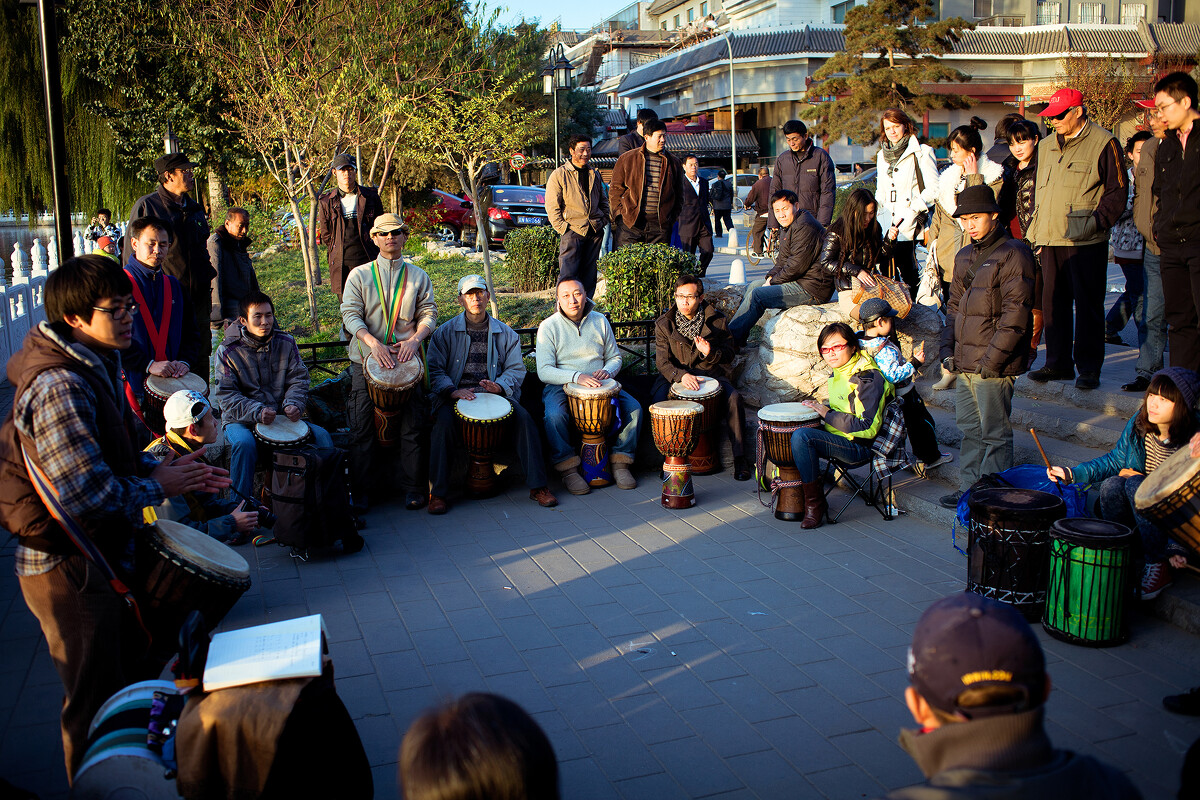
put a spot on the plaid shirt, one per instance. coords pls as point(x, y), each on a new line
point(58, 413)
point(887, 451)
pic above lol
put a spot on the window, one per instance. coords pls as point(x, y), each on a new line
point(691, 15)
point(940, 130)
point(676, 22)
point(1091, 13)
point(838, 12)
point(983, 9)
point(1049, 13)
point(664, 25)
point(1132, 12)
point(704, 9)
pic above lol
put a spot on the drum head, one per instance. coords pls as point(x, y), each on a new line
point(675, 408)
point(165, 387)
point(484, 408)
point(282, 430)
point(1006, 500)
point(1169, 478)
point(787, 412)
point(199, 549)
point(708, 387)
point(1097, 533)
point(607, 387)
point(401, 376)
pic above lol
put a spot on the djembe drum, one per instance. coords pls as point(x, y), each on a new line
point(1008, 545)
point(389, 389)
point(776, 424)
point(482, 422)
point(594, 412)
point(118, 761)
point(1091, 569)
point(282, 432)
point(706, 458)
point(1170, 497)
point(675, 425)
point(160, 389)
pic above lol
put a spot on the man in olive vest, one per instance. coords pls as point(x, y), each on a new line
point(1081, 191)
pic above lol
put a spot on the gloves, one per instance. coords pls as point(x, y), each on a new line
point(988, 372)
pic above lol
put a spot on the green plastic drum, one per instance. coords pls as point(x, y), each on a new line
point(1091, 566)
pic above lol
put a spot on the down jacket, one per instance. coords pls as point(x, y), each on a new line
point(989, 318)
point(946, 235)
point(798, 258)
point(874, 251)
point(251, 376)
point(811, 175)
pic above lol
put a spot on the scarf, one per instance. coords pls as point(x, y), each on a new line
point(892, 153)
point(257, 341)
point(689, 328)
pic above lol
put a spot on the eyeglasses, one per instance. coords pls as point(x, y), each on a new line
point(119, 312)
point(833, 349)
point(1164, 106)
point(687, 297)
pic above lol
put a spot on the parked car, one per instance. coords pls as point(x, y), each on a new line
point(442, 214)
point(512, 207)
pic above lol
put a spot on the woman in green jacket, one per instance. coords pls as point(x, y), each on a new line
point(858, 394)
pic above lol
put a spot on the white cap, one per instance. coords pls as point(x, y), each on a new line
point(185, 407)
point(469, 282)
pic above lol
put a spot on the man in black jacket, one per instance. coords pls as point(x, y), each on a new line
point(989, 322)
point(345, 215)
point(636, 138)
point(807, 171)
point(797, 278)
point(695, 230)
point(227, 250)
point(1177, 221)
point(978, 690)
point(758, 200)
point(187, 260)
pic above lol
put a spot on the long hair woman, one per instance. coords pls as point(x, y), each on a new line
point(854, 243)
point(905, 189)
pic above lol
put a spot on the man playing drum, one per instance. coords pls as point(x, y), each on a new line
point(71, 423)
point(692, 341)
point(472, 354)
point(576, 344)
point(388, 309)
point(259, 375)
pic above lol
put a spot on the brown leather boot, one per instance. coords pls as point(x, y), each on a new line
point(814, 504)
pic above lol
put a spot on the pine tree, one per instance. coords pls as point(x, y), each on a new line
point(891, 55)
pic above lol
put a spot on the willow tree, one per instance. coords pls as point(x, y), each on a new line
point(891, 58)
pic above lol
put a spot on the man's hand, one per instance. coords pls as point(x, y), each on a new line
point(919, 352)
point(406, 350)
point(267, 415)
point(601, 375)
point(588, 381)
point(988, 372)
point(292, 412)
point(1194, 446)
point(948, 364)
point(767, 281)
point(1178, 561)
point(491, 387)
point(245, 521)
point(383, 354)
point(702, 345)
point(689, 382)
point(462, 394)
point(189, 474)
point(865, 279)
point(168, 369)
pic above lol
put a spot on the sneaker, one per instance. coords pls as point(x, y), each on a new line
point(1186, 703)
point(1155, 578)
point(950, 500)
point(541, 495)
point(943, 458)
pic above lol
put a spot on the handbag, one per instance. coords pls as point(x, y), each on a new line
point(895, 292)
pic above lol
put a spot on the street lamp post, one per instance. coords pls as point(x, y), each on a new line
point(556, 76)
point(732, 123)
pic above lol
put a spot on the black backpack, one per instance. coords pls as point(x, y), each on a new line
point(306, 489)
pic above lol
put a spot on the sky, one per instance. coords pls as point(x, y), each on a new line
point(575, 15)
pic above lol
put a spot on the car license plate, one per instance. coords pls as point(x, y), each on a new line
point(529, 220)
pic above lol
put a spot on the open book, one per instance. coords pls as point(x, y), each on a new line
point(293, 648)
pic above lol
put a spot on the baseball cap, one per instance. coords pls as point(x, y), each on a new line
point(171, 162)
point(1148, 103)
point(873, 308)
point(344, 160)
point(469, 282)
point(966, 641)
point(104, 241)
point(184, 408)
point(1060, 101)
point(385, 223)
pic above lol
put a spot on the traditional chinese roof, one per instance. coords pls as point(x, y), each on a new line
point(709, 144)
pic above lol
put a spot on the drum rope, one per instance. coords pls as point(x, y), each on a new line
point(760, 462)
point(668, 467)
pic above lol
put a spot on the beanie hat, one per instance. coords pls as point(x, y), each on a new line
point(1186, 381)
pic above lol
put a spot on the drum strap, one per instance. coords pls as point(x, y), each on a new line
point(91, 552)
point(131, 398)
point(391, 310)
point(158, 335)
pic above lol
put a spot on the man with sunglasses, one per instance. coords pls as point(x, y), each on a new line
point(389, 311)
point(187, 259)
point(1081, 191)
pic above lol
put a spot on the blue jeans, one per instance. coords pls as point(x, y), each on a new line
point(559, 424)
point(1115, 504)
point(244, 451)
point(809, 445)
point(1151, 317)
point(759, 298)
point(1129, 302)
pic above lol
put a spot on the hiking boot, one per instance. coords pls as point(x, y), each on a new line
point(541, 495)
point(1186, 703)
point(1155, 578)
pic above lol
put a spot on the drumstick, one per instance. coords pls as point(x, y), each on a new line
point(1045, 460)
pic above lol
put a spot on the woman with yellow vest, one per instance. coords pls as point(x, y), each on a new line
point(858, 394)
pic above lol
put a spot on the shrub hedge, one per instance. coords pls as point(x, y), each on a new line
point(640, 279)
point(532, 258)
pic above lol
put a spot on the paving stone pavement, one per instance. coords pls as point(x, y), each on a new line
point(707, 652)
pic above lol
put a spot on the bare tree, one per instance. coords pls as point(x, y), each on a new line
point(1109, 85)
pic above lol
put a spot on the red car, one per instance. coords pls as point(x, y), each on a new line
point(444, 215)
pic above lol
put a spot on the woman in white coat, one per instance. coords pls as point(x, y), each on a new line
point(906, 186)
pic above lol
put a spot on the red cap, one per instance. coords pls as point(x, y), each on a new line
point(104, 241)
point(1149, 104)
point(1062, 100)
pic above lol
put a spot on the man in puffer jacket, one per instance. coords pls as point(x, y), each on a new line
point(989, 320)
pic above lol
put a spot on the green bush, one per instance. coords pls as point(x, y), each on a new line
point(641, 279)
point(532, 257)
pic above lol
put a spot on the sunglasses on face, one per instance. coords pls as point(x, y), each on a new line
point(1063, 115)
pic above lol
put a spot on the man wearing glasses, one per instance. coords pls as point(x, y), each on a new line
point(692, 341)
point(1177, 222)
point(1081, 191)
point(807, 171)
point(389, 311)
point(187, 260)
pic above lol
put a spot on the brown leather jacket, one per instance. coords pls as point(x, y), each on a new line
point(675, 354)
point(628, 184)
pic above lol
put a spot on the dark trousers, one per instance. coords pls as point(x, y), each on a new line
point(204, 350)
point(96, 647)
point(445, 440)
point(1124, 309)
point(1073, 307)
point(645, 232)
point(704, 242)
point(756, 233)
point(1181, 287)
point(734, 422)
point(719, 215)
point(983, 411)
point(903, 264)
point(1116, 504)
point(367, 457)
point(577, 257)
point(922, 434)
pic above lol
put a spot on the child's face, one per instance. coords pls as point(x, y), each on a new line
point(881, 327)
point(1159, 410)
point(204, 431)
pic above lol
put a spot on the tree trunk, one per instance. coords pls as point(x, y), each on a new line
point(312, 236)
point(482, 234)
point(305, 257)
point(218, 192)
